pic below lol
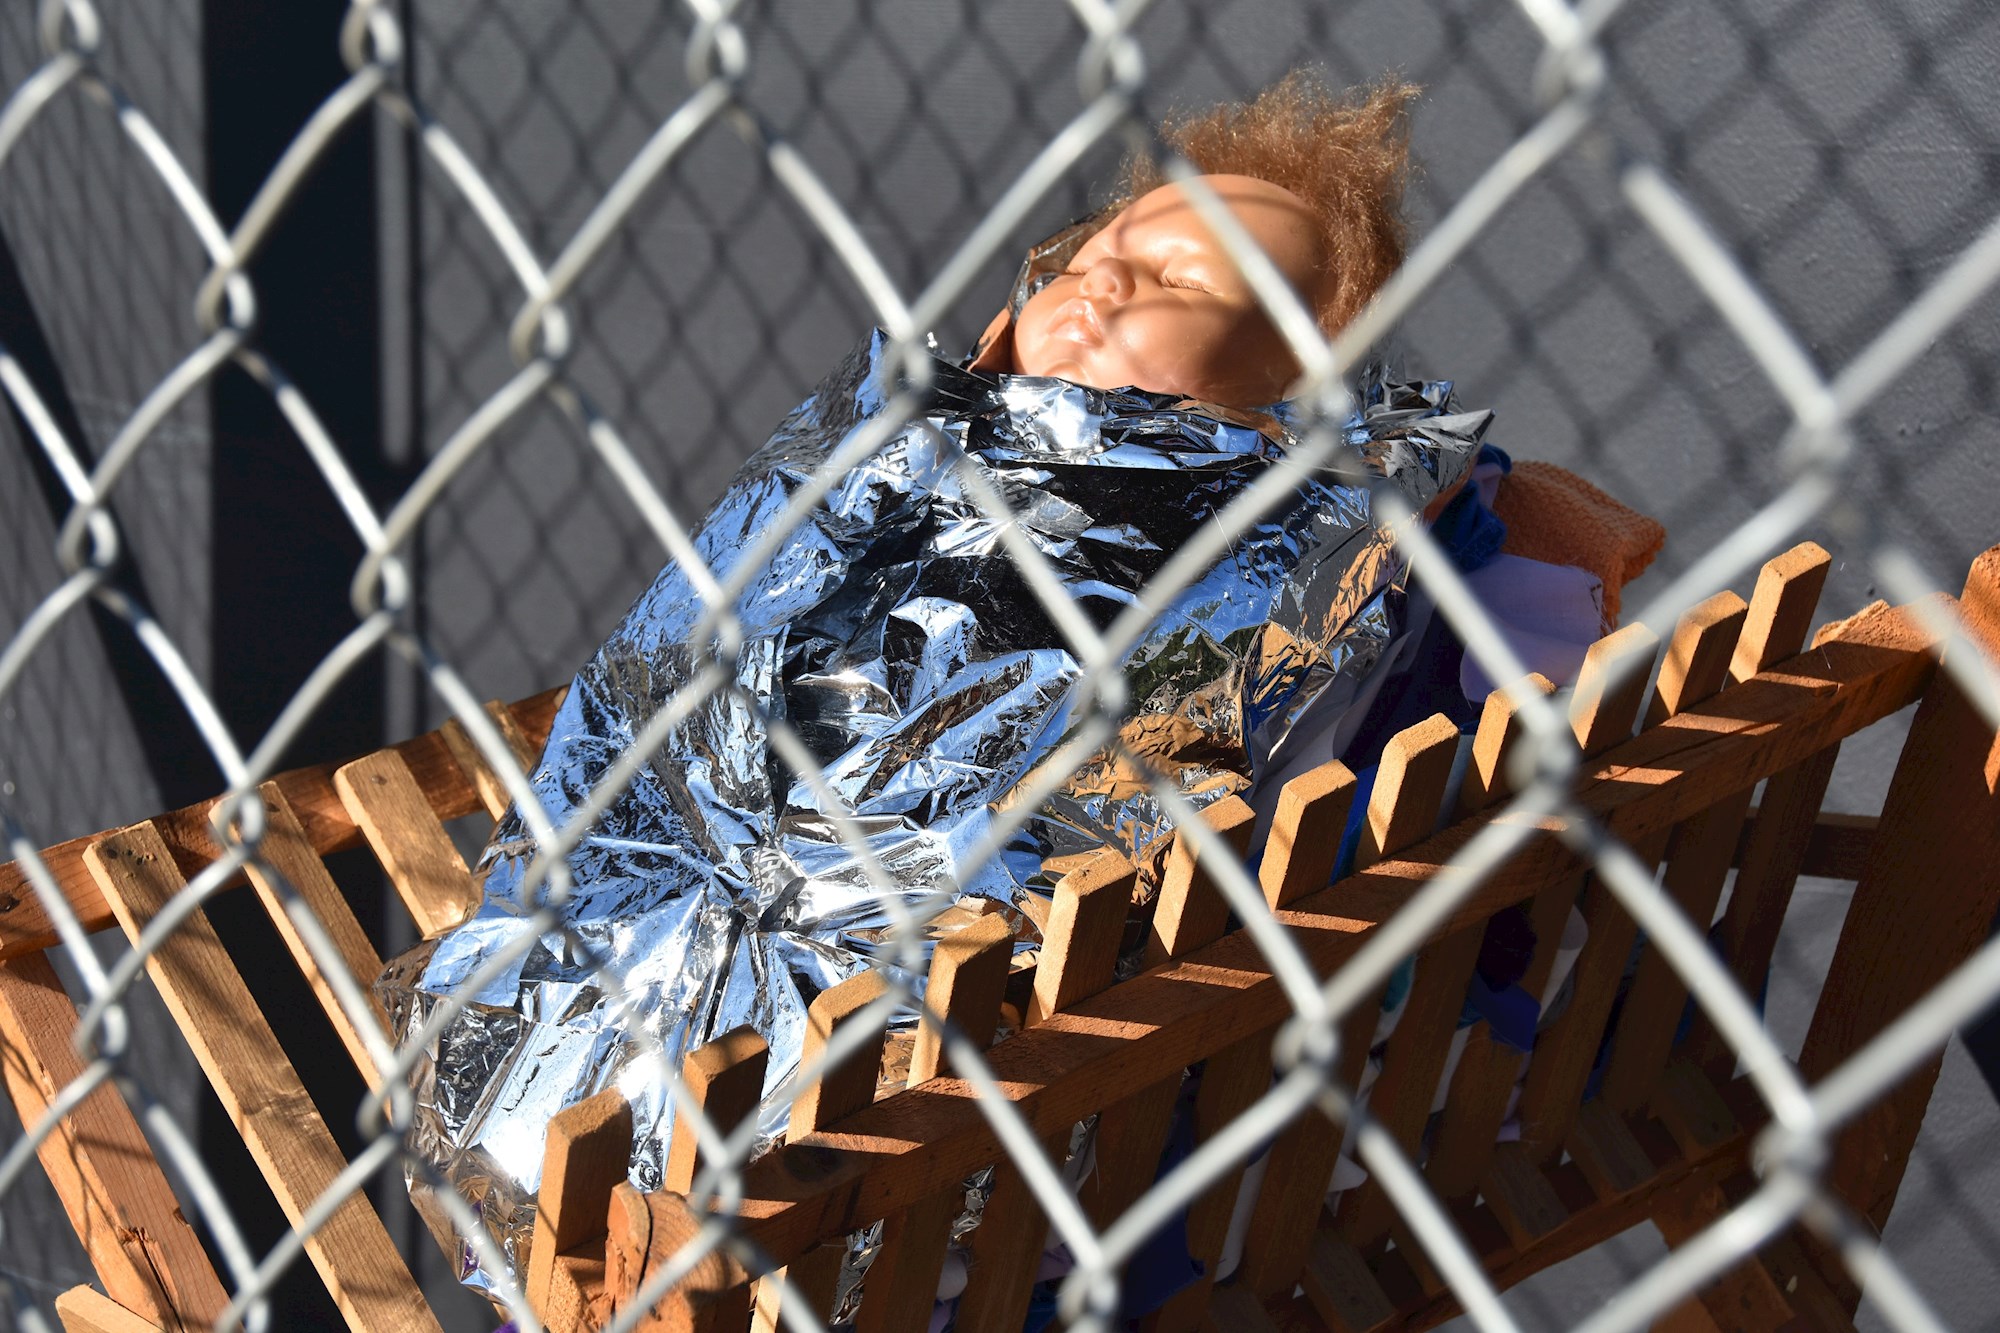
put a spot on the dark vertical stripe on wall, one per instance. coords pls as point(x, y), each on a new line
point(283, 552)
point(176, 758)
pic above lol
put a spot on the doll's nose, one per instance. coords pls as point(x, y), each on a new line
point(1109, 278)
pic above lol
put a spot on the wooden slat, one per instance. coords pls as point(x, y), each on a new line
point(1696, 667)
point(87, 1310)
point(1924, 903)
point(256, 1085)
point(900, 1289)
point(1288, 1208)
point(1567, 1047)
point(1775, 627)
point(968, 978)
point(1693, 1112)
point(967, 981)
point(726, 1078)
point(1781, 609)
point(1521, 1196)
point(1409, 789)
point(1131, 1134)
point(1699, 654)
point(1079, 956)
point(588, 1155)
point(287, 850)
point(1232, 1080)
point(1805, 1291)
point(1500, 730)
point(1488, 1069)
point(1305, 834)
point(849, 1085)
point(1610, 686)
point(1744, 1297)
point(103, 1170)
point(1191, 911)
point(646, 1231)
point(25, 927)
point(1611, 1159)
point(1770, 869)
point(1401, 1098)
point(1080, 940)
point(389, 806)
point(1237, 1309)
point(1341, 1288)
point(1409, 792)
point(1836, 848)
point(839, 1091)
point(1189, 915)
point(465, 751)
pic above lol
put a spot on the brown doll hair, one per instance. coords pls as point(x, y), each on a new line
point(1347, 155)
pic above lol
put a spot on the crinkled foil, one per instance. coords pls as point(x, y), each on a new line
point(896, 633)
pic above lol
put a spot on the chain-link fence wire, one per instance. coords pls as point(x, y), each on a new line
point(1653, 313)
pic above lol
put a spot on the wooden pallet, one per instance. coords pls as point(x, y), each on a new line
point(1665, 1141)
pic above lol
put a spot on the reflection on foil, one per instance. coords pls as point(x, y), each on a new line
point(894, 632)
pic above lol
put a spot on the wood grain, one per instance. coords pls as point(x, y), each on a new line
point(840, 1090)
point(645, 1232)
point(588, 1155)
point(86, 1310)
point(1500, 730)
point(1232, 1080)
point(1191, 911)
point(1341, 1288)
point(1409, 788)
point(472, 762)
point(725, 1077)
point(1488, 1070)
point(288, 852)
point(389, 806)
point(967, 979)
point(257, 1086)
point(188, 834)
point(142, 1248)
point(1922, 905)
point(1305, 834)
point(1080, 941)
point(1781, 609)
point(1696, 667)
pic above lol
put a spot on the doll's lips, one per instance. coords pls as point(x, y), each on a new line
point(1078, 321)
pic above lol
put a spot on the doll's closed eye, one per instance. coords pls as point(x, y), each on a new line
point(1186, 283)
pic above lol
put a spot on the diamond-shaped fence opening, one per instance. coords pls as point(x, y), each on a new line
point(363, 363)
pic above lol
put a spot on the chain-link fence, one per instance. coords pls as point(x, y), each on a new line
point(487, 313)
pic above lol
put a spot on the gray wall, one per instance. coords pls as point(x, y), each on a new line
point(1844, 151)
point(109, 273)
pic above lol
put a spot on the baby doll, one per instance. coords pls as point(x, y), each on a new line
point(1129, 393)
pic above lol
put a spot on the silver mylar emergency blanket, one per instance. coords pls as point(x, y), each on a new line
point(895, 632)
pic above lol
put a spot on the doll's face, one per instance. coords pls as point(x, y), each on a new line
point(1154, 301)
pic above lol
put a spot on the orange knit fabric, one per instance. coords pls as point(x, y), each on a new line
point(1556, 516)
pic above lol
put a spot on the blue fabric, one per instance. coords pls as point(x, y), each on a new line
point(1510, 1012)
point(1041, 1308)
point(1471, 533)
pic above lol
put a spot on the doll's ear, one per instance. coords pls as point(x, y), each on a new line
point(995, 351)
